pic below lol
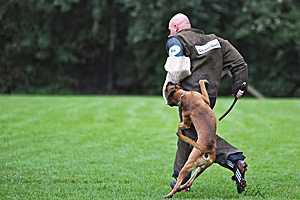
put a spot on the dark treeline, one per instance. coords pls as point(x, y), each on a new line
point(118, 46)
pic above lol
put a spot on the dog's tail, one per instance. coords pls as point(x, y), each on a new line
point(193, 143)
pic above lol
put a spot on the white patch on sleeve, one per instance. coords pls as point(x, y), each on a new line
point(214, 44)
point(175, 49)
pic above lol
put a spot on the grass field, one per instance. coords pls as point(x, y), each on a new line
point(123, 147)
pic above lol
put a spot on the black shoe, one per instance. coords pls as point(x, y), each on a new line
point(173, 183)
point(239, 175)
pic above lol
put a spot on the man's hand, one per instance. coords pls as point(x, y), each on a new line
point(241, 91)
point(239, 94)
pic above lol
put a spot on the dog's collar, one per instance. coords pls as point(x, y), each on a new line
point(179, 103)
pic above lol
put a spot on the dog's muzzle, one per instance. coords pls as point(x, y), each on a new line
point(170, 95)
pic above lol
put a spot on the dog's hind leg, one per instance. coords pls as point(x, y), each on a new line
point(192, 162)
point(189, 183)
point(205, 161)
point(189, 166)
point(181, 176)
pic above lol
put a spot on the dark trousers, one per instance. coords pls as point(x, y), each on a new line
point(224, 149)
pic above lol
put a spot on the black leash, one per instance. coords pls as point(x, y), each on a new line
point(243, 87)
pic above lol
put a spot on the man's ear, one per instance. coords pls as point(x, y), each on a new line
point(176, 28)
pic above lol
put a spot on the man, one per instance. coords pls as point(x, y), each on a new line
point(208, 56)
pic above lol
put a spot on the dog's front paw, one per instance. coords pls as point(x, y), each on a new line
point(183, 126)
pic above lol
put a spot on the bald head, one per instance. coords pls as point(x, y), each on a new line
point(178, 23)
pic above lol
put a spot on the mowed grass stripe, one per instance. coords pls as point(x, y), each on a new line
point(123, 147)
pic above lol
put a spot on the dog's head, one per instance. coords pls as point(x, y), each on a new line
point(171, 88)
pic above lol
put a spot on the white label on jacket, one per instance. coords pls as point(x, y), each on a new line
point(214, 44)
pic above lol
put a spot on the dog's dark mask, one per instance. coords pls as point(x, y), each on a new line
point(171, 92)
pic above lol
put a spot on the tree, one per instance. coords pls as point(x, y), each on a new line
point(118, 46)
point(269, 32)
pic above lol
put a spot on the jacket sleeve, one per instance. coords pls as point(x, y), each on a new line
point(233, 60)
point(174, 47)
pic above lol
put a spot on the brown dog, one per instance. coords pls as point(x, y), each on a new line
point(196, 110)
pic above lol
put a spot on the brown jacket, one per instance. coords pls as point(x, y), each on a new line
point(209, 54)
